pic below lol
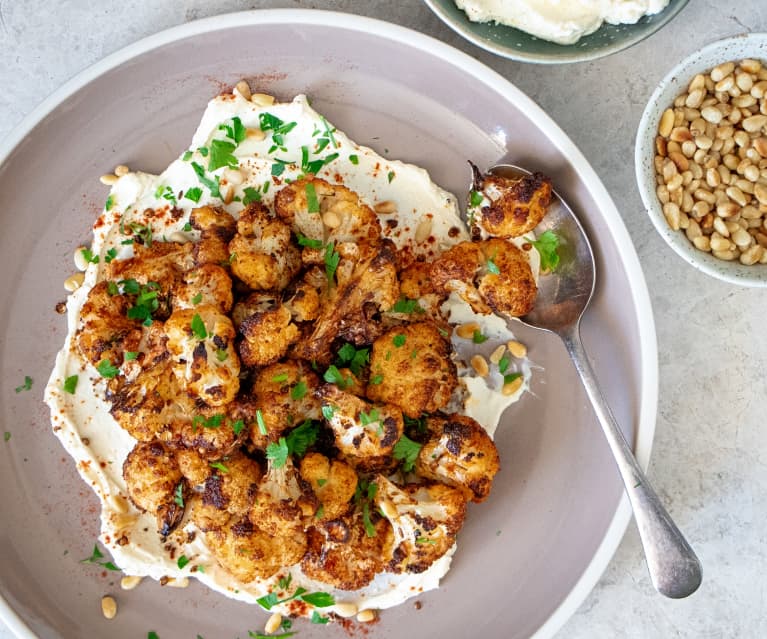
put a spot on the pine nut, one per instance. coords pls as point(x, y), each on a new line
point(752, 255)
point(129, 582)
point(273, 624)
point(679, 160)
point(680, 134)
point(704, 142)
point(254, 134)
point(693, 230)
point(720, 227)
point(108, 179)
point(754, 123)
point(674, 183)
point(662, 193)
point(345, 609)
point(695, 98)
point(80, 262)
point(741, 238)
point(727, 209)
point(366, 616)
point(517, 349)
point(735, 194)
point(722, 71)
point(479, 364)
point(331, 219)
point(667, 122)
point(228, 194)
point(178, 582)
point(719, 243)
point(750, 66)
point(727, 256)
point(73, 282)
point(660, 146)
point(760, 193)
point(497, 354)
point(702, 243)
point(423, 230)
point(671, 212)
point(385, 207)
point(243, 88)
point(121, 170)
point(108, 607)
point(233, 176)
point(466, 331)
point(700, 208)
point(512, 387)
point(713, 178)
point(698, 82)
point(711, 114)
point(262, 99)
point(760, 145)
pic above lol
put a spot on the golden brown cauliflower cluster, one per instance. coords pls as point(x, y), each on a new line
point(288, 385)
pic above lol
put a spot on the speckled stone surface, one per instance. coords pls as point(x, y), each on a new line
point(709, 462)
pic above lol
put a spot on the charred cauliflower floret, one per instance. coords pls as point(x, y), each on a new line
point(364, 433)
point(209, 284)
point(216, 228)
point(228, 490)
point(425, 519)
point(416, 284)
point(249, 553)
point(201, 343)
point(284, 501)
point(336, 215)
point(106, 332)
point(193, 466)
point(268, 332)
point(284, 393)
point(493, 275)
point(512, 206)
point(459, 453)
point(152, 477)
point(303, 302)
point(205, 430)
point(160, 262)
point(262, 253)
point(342, 554)
point(350, 311)
point(410, 367)
point(333, 481)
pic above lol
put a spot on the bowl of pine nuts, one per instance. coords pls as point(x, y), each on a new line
point(701, 159)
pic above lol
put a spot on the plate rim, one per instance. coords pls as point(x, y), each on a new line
point(570, 54)
point(639, 292)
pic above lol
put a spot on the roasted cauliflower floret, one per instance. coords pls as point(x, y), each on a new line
point(284, 501)
point(216, 228)
point(342, 554)
point(249, 553)
point(346, 218)
point(365, 434)
point(459, 453)
point(333, 481)
point(285, 394)
point(493, 275)
point(267, 333)
point(303, 302)
point(152, 477)
point(425, 519)
point(262, 253)
point(106, 331)
point(349, 312)
point(161, 263)
point(512, 206)
point(209, 284)
point(410, 367)
point(201, 344)
point(194, 467)
point(229, 489)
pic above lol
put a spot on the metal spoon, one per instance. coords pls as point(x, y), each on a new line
point(563, 296)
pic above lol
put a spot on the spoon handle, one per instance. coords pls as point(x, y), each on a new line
point(674, 569)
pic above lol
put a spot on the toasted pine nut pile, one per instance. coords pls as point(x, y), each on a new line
point(711, 162)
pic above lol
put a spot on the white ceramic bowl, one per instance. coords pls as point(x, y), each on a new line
point(752, 45)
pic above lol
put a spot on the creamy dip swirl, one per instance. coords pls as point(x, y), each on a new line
point(99, 446)
point(560, 21)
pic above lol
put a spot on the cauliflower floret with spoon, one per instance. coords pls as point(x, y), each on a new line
point(425, 519)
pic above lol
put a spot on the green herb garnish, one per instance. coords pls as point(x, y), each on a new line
point(547, 245)
point(354, 159)
point(478, 337)
point(277, 452)
point(309, 242)
point(194, 194)
point(405, 305)
point(475, 198)
point(312, 203)
point(183, 560)
point(260, 422)
point(211, 184)
point(219, 466)
point(27, 385)
point(251, 195)
point(333, 376)
point(107, 369)
point(178, 495)
point(96, 558)
point(198, 327)
point(70, 384)
point(406, 450)
point(399, 340)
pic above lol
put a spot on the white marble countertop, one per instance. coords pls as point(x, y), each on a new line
point(709, 462)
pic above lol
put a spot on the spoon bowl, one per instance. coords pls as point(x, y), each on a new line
point(563, 297)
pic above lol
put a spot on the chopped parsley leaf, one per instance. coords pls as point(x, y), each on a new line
point(112, 288)
point(372, 417)
point(194, 194)
point(507, 379)
point(221, 154)
point(198, 327)
point(187, 228)
point(319, 599)
point(143, 231)
point(211, 184)
point(110, 255)
point(332, 258)
point(89, 256)
point(238, 426)
point(152, 635)
point(308, 242)
point(96, 558)
point(278, 168)
point(299, 390)
point(414, 353)
point(312, 203)
point(261, 635)
point(235, 131)
point(425, 540)
point(130, 355)
point(354, 159)
point(109, 203)
point(222, 355)
point(187, 156)
point(260, 422)
point(475, 198)
point(219, 466)
point(70, 384)
point(503, 363)
point(302, 437)
point(284, 582)
point(376, 379)
point(406, 305)
point(406, 450)
point(251, 195)
point(107, 369)
point(197, 299)
point(27, 385)
point(183, 560)
point(478, 337)
point(321, 482)
point(492, 267)
point(390, 176)
point(328, 412)
point(282, 377)
point(334, 376)
point(547, 245)
point(329, 132)
point(6, 436)
point(178, 495)
point(399, 340)
point(354, 358)
point(277, 452)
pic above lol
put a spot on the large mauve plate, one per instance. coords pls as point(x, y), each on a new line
point(529, 555)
